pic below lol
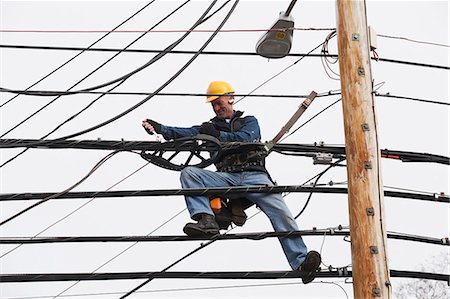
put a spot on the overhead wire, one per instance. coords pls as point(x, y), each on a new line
point(414, 40)
point(327, 60)
point(337, 231)
point(52, 277)
point(56, 195)
point(146, 99)
point(334, 164)
point(210, 30)
point(184, 94)
point(75, 210)
point(378, 59)
point(82, 50)
point(178, 289)
point(161, 54)
point(278, 74)
point(226, 191)
point(91, 103)
point(154, 59)
point(122, 252)
point(160, 31)
point(210, 242)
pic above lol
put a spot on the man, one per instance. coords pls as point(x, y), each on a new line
point(237, 169)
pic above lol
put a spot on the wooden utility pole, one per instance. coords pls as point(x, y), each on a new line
point(365, 189)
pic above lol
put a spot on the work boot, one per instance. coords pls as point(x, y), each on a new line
point(310, 266)
point(238, 215)
point(223, 218)
point(205, 227)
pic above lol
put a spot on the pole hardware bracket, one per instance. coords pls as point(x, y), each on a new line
point(370, 212)
point(361, 71)
point(373, 249)
point(365, 127)
point(355, 37)
point(367, 164)
point(376, 292)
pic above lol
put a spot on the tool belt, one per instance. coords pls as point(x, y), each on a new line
point(238, 162)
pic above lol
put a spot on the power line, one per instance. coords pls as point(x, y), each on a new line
point(53, 277)
point(90, 104)
point(167, 290)
point(307, 150)
point(56, 195)
point(183, 238)
point(157, 57)
point(389, 60)
point(414, 40)
point(123, 78)
point(291, 5)
point(184, 94)
point(388, 95)
point(82, 50)
point(160, 31)
point(87, 76)
point(225, 191)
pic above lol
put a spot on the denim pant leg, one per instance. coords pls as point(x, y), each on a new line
point(274, 206)
point(193, 177)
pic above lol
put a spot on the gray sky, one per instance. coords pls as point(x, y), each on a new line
point(403, 125)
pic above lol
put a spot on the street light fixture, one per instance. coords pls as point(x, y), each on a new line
point(277, 41)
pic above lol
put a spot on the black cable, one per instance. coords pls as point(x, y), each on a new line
point(306, 150)
point(315, 185)
point(82, 50)
point(279, 73)
point(225, 191)
point(183, 238)
point(290, 7)
point(388, 95)
point(56, 195)
point(154, 59)
point(52, 277)
point(86, 107)
point(220, 53)
point(161, 54)
point(91, 73)
point(311, 118)
point(150, 96)
point(44, 93)
point(212, 241)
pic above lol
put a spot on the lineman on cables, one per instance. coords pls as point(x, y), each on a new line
point(236, 170)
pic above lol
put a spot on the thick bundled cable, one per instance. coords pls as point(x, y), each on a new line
point(307, 150)
point(226, 191)
point(183, 238)
point(52, 277)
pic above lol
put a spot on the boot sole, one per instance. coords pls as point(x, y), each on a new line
point(194, 232)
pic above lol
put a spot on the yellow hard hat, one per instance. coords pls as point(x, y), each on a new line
point(219, 88)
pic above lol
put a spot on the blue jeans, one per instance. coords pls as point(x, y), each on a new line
point(272, 205)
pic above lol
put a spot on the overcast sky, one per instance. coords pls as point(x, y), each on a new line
point(403, 125)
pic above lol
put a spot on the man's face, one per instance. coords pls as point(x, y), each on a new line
point(222, 107)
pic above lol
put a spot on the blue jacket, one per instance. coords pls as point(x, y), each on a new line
point(239, 129)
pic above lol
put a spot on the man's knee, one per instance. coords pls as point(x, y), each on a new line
point(188, 172)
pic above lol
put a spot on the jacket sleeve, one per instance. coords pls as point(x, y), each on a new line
point(170, 133)
point(249, 132)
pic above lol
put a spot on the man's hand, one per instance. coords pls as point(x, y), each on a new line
point(209, 129)
point(151, 126)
